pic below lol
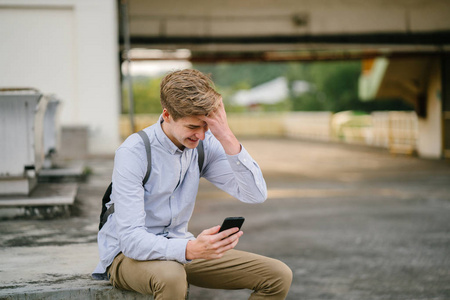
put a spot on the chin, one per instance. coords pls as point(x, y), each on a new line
point(191, 144)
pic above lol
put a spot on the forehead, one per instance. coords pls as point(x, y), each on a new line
point(191, 121)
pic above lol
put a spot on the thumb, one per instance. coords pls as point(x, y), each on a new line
point(212, 230)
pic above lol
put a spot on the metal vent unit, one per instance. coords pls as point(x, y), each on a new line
point(22, 154)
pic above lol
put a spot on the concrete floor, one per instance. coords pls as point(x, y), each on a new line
point(351, 222)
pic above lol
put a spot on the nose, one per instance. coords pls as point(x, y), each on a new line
point(201, 133)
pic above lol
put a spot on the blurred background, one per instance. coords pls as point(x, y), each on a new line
point(103, 60)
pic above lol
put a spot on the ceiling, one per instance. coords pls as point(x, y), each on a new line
point(266, 30)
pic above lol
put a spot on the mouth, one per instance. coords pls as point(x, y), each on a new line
point(193, 140)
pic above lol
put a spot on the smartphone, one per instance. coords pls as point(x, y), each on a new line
point(232, 222)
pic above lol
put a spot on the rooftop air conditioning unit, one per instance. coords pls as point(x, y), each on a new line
point(22, 153)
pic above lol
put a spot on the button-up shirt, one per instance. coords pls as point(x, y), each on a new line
point(150, 221)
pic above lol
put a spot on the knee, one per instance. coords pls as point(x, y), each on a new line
point(170, 281)
point(279, 281)
point(282, 275)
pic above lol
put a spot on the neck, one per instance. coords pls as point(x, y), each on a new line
point(170, 136)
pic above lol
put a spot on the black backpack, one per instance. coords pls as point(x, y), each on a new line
point(106, 197)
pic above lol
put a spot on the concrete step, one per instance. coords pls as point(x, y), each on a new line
point(55, 272)
point(107, 293)
point(45, 194)
point(72, 173)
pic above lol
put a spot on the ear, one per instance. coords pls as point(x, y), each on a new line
point(166, 115)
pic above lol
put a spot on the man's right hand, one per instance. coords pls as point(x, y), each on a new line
point(218, 124)
point(212, 245)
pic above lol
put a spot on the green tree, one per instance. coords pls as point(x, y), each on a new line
point(334, 86)
point(145, 95)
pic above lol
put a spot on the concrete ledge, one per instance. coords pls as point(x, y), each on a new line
point(106, 292)
point(44, 194)
point(55, 272)
point(73, 173)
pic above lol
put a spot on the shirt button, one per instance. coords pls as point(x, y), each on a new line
point(238, 163)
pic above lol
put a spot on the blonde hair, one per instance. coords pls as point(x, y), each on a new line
point(188, 92)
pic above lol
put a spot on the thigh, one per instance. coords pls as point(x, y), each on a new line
point(146, 277)
point(235, 270)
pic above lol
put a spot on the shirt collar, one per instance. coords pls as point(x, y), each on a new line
point(163, 139)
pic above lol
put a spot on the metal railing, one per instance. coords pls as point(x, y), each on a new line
point(393, 130)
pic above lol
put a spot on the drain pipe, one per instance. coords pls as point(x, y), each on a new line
point(129, 80)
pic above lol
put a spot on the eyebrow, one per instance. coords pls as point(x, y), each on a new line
point(193, 126)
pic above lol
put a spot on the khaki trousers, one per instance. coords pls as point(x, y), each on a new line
point(268, 278)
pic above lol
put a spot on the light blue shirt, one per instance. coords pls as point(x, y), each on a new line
point(150, 222)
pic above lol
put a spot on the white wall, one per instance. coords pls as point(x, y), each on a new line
point(69, 48)
point(430, 128)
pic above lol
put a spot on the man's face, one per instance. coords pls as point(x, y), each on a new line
point(184, 132)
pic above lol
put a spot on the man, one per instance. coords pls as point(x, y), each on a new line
point(145, 246)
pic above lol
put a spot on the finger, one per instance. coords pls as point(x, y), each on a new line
point(205, 118)
point(226, 233)
point(212, 230)
point(228, 240)
point(231, 243)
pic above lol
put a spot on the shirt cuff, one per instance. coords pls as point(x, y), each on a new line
point(176, 250)
point(241, 161)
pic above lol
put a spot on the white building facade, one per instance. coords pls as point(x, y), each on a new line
point(68, 48)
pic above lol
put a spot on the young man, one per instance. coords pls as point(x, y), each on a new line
point(145, 246)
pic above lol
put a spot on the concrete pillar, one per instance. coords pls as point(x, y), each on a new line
point(446, 104)
point(430, 127)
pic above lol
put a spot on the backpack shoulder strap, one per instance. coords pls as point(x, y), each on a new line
point(106, 212)
point(148, 149)
point(201, 155)
point(106, 197)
